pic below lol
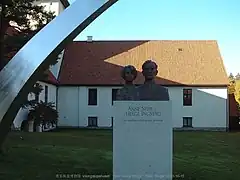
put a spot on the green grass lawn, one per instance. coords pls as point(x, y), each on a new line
point(197, 155)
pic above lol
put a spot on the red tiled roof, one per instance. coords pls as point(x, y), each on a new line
point(50, 78)
point(180, 62)
point(233, 107)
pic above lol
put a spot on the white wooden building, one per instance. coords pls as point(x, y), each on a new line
point(84, 82)
point(89, 75)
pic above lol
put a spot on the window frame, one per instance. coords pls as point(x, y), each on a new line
point(46, 94)
point(91, 121)
point(187, 97)
point(188, 123)
point(92, 102)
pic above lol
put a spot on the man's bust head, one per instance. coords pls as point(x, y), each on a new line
point(129, 74)
point(149, 70)
point(154, 92)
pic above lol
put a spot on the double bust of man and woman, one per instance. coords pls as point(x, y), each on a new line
point(149, 91)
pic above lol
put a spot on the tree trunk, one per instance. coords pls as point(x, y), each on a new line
point(1, 36)
point(3, 29)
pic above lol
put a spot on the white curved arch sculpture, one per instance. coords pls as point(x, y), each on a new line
point(25, 67)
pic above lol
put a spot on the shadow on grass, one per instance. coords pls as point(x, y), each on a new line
point(197, 155)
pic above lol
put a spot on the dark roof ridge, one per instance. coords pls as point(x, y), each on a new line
point(102, 41)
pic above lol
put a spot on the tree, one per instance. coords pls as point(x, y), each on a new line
point(231, 77)
point(231, 86)
point(27, 19)
point(36, 90)
point(237, 77)
point(234, 86)
point(43, 113)
point(237, 91)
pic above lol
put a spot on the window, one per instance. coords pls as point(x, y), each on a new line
point(187, 121)
point(112, 121)
point(187, 97)
point(46, 94)
point(92, 97)
point(37, 97)
point(114, 95)
point(92, 122)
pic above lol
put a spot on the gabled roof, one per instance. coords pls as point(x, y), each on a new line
point(50, 78)
point(179, 62)
point(65, 3)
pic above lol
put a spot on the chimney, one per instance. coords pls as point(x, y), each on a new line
point(89, 38)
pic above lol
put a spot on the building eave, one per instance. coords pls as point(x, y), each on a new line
point(170, 85)
point(49, 82)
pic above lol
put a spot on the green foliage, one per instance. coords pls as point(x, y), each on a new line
point(231, 86)
point(36, 90)
point(231, 77)
point(28, 18)
point(237, 91)
point(237, 77)
point(43, 113)
point(234, 86)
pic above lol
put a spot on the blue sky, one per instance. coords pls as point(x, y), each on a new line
point(173, 20)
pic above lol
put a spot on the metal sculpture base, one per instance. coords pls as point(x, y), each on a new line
point(25, 68)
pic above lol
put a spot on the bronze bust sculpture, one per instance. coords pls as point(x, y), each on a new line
point(128, 92)
point(150, 91)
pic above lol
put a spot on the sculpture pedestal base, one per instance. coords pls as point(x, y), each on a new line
point(142, 140)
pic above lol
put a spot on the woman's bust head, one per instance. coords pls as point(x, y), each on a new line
point(129, 74)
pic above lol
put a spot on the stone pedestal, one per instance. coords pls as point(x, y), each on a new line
point(142, 140)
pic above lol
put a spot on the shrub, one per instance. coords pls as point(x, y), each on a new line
point(43, 113)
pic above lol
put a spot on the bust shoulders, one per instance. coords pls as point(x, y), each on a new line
point(153, 92)
point(128, 92)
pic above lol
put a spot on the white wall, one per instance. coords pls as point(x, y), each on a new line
point(52, 90)
point(74, 110)
point(68, 106)
point(56, 68)
point(208, 109)
point(22, 113)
